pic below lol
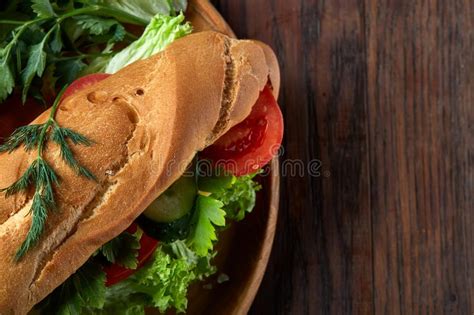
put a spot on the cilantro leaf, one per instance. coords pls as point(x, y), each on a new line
point(42, 8)
point(98, 26)
point(123, 250)
point(120, 300)
point(208, 214)
point(49, 80)
point(89, 284)
point(118, 33)
point(68, 70)
point(7, 82)
point(85, 288)
point(36, 64)
point(56, 42)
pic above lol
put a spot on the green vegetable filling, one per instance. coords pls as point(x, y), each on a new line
point(46, 44)
point(184, 256)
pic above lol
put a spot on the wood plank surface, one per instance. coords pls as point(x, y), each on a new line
point(381, 93)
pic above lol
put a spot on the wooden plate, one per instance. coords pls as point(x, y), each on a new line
point(244, 249)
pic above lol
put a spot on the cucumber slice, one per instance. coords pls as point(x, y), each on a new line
point(175, 202)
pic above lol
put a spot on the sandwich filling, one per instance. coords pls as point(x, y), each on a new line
point(153, 263)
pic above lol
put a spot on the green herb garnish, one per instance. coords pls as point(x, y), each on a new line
point(56, 40)
point(122, 250)
point(40, 174)
point(207, 216)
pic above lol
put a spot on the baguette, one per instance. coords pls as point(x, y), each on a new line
point(147, 122)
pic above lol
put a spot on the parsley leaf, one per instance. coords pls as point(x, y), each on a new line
point(85, 288)
point(68, 70)
point(7, 82)
point(118, 33)
point(56, 42)
point(89, 283)
point(36, 64)
point(123, 250)
point(208, 214)
point(99, 26)
point(42, 8)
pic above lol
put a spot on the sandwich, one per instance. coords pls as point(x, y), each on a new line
point(111, 200)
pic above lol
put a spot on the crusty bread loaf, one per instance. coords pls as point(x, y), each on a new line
point(147, 122)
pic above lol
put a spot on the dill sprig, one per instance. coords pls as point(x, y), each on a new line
point(40, 174)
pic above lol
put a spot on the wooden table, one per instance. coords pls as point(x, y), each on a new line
point(381, 92)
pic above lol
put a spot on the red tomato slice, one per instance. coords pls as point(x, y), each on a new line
point(84, 82)
point(116, 273)
point(251, 144)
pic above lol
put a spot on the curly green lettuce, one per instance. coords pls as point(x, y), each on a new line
point(163, 283)
point(238, 194)
point(161, 32)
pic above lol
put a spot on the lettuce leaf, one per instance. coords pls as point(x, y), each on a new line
point(238, 194)
point(204, 267)
point(161, 32)
point(166, 281)
point(239, 199)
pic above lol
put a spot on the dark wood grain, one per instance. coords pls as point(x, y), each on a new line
point(420, 114)
point(381, 92)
